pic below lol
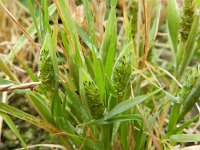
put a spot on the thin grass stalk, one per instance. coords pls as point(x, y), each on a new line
point(146, 43)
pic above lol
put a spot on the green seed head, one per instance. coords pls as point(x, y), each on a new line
point(187, 18)
point(132, 16)
point(93, 99)
point(190, 93)
point(47, 75)
point(190, 82)
point(122, 71)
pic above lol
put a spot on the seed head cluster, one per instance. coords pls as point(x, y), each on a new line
point(188, 85)
point(47, 75)
point(190, 92)
point(93, 99)
point(187, 18)
point(122, 71)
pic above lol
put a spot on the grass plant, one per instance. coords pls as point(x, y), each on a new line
point(117, 88)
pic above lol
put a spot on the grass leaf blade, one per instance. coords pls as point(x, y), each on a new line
point(12, 126)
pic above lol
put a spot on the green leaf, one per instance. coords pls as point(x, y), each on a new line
point(113, 3)
point(4, 81)
point(45, 125)
point(96, 61)
point(71, 31)
point(111, 51)
point(174, 116)
point(173, 23)
point(181, 127)
point(120, 118)
point(39, 104)
point(27, 117)
point(125, 105)
point(73, 69)
point(185, 138)
point(90, 21)
point(84, 75)
point(57, 111)
point(98, 72)
point(75, 102)
point(85, 38)
point(31, 9)
point(108, 35)
point(45, 17)
point(52, 44)
point(155, 23)
point(12, 126)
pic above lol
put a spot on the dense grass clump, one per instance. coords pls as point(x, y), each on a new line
point(111, 74)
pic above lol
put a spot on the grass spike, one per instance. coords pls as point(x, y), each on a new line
point(122, 71)
point(187, 19)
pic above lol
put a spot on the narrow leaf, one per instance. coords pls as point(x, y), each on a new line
point(108, 35)
point(27, 117)
point(12, 126)
point(185, 138)
point(173, 23)
point(125, 105)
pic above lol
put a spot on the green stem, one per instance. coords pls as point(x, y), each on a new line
point(173, 116)
point(106, 137)
point(180, 53)
point(124, 133)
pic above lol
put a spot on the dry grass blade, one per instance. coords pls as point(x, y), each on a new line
point(153, 75)
point(19, 25)
point(146, 33)
point(5, 87)
point(29, 118)
point(171, 76)
point(10, 87)
point(53, 146)
point(154, 139)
